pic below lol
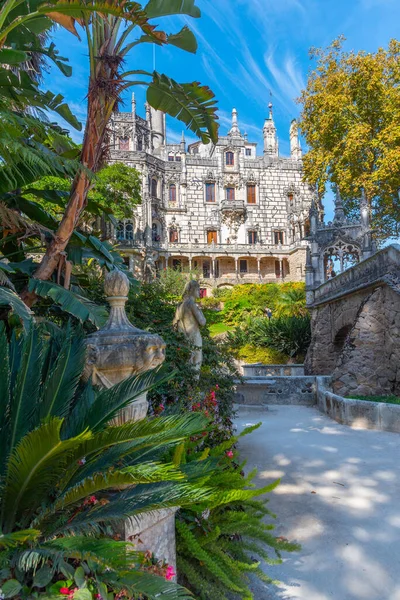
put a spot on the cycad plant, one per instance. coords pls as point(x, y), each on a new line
point(221, 544)
point(68, 478)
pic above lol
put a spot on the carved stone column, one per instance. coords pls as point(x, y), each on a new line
point(115, 352)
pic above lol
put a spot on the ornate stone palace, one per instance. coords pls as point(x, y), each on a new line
point(221, 209)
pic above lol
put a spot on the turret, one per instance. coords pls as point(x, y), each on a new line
point(183, 143)
point(234, 130)
point(295, 147)
point(270, 137)
point(157, 128)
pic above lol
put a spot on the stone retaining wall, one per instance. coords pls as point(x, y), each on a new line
point(360, 414)
point(299, 390)
point(261, 370)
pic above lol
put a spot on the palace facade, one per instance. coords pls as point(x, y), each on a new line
point(223, 210)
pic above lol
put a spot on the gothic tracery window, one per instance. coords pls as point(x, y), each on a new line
point(173, 236)
point(125, 230)
point(154, 188)
point(339, 257)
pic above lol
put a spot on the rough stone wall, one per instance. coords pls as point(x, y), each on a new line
point(297, 261)
point(370, 361)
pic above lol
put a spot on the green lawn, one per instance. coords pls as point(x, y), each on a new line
point(385, 399)
point(217, 328)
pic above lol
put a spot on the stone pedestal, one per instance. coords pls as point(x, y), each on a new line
point(115, 352)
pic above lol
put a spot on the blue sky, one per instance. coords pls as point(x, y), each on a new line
point(248, 51)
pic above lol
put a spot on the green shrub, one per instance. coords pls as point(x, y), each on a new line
point(289, 335)
point(210, 302)
point(267, 356)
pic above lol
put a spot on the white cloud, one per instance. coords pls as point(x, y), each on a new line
point(288, 76)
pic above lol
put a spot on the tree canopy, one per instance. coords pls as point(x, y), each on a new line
point(351, 122)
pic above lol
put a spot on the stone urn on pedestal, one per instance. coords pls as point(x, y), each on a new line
point(115, 352)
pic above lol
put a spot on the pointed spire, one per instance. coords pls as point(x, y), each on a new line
point(295, 147)
point(270, 137)
point(133, 103)
point(234, 130)
point(339, 216)
point(183, 142)
point(364, 210)
point(148, 113)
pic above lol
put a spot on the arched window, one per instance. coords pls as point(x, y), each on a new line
point(140, 143)
point(154, 188)
point(172, 192)
point(124, 143)
point(229, 158)
point(124, 230)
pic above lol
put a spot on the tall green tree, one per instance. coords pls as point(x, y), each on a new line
point(108, 27)
point(351, 122)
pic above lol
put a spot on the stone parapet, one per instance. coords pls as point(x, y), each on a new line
point(261, 370)
point(297, 390)
point(359, 414)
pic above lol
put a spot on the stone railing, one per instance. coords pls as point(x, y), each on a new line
point(260, 370)
point(367, 273)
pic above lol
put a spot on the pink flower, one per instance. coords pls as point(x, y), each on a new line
point(64, 591)
point(217, 387)
point(229, 454)
point(162, 407)
point(82, 461)
point(170, 573)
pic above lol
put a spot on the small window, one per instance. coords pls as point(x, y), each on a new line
point(230, 193)
point(211, 237)
point(140, 144)
point(206, 269)
point(278, 237)
point(210, 192)
point(172, 192)
point(170, 158)
point(243, 266)
point(291, 198)
point(251, 194)
point(173, 236)
point(229, 158)
point(154, 188)
point(252, 237)
point(307, 230)
point(124, 143)
point(277, 268)
point(177, 158)
point(248, 151)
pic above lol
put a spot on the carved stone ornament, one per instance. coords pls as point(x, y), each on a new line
point(120, 350)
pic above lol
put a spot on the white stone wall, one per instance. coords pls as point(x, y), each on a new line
point(282, 199)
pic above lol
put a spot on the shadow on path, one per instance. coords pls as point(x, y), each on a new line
point(339, 497)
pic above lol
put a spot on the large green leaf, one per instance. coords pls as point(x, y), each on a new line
point(189, 102)
point(8, 56)
point(34, 468)
point(61, 383)
point(10, 298)
point(78, 306)
point(25, 391)
point(162, 8)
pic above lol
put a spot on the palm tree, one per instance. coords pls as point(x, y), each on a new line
point(107, 38)
point(291, 303)
point(67, 476)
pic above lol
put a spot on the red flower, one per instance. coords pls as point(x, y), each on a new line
point(64, 591)
point(162, 407)
point(229, 454)
point(170, 573)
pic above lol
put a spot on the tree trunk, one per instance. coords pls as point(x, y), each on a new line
point(92, 149)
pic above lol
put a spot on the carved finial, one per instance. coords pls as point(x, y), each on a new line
point(116, 283)
point(339, 211)
point(270, 106)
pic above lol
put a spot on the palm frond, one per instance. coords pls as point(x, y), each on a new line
point(34, 467)
point(9, 298)
point(74, 304)
point(17, 538)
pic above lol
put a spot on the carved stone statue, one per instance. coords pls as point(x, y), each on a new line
point(189, 318)
point(120, 350)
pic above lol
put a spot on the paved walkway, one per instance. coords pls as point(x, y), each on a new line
point(339, 497)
